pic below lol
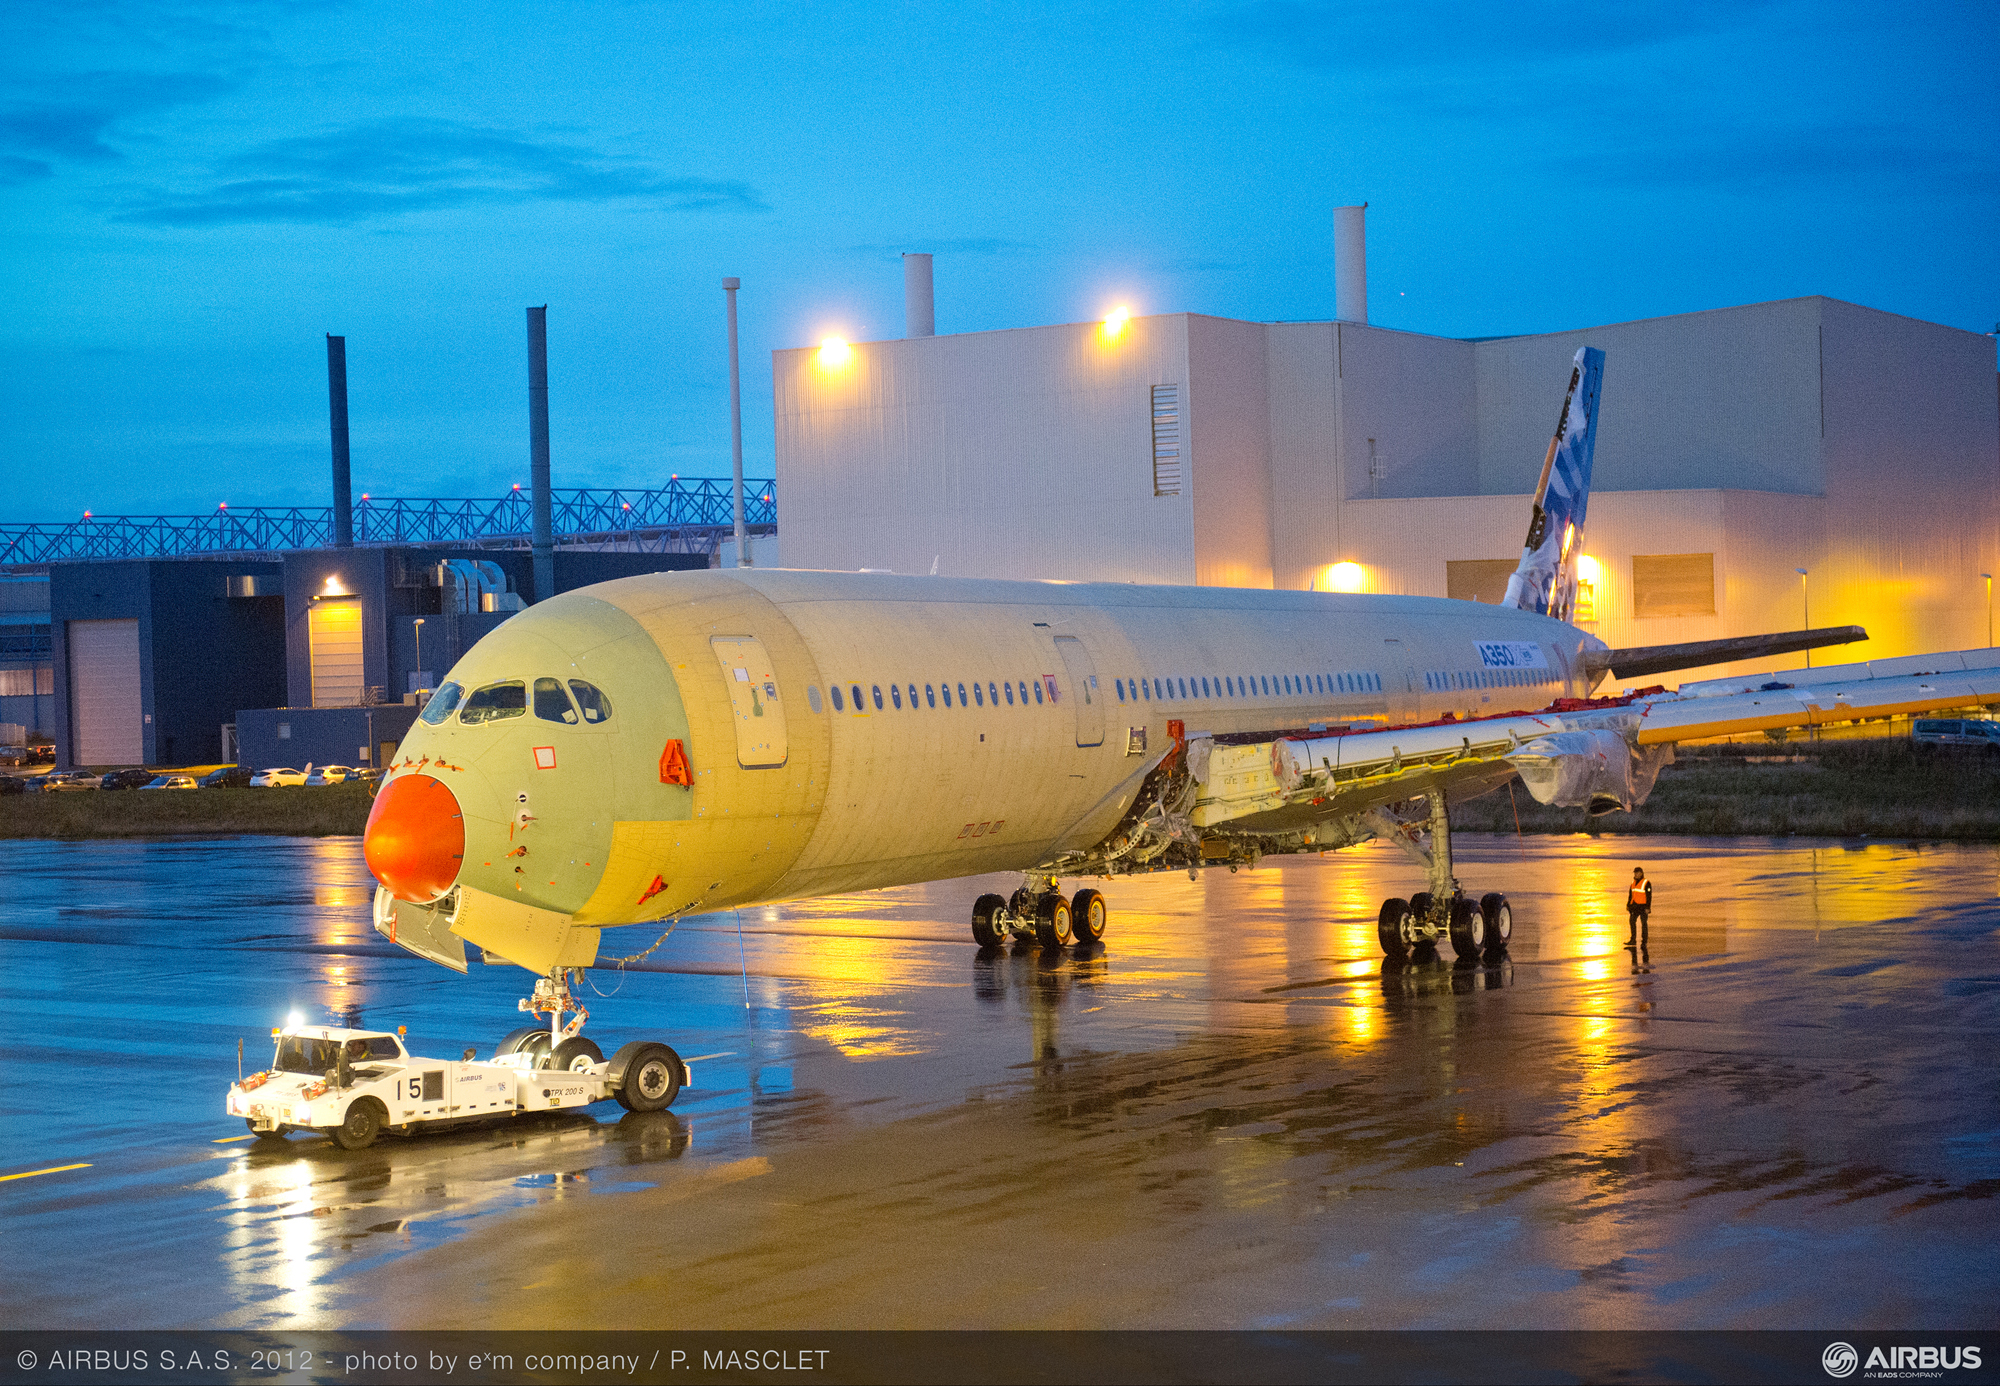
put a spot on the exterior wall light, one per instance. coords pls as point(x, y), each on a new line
point(1114, 323)
point(1346, 577)
point(1586, 588)
point(834, 353)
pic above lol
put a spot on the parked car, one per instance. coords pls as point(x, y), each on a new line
point(1977, 732)
point(13, 784)
point(44, 754)
point(16, 755)
point(227, 777)
point(58, 781)
point(277, 777)
point(126, 779)
point(171, 782)
point(331, 774)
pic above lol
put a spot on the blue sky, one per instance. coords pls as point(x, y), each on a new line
point(196, 192)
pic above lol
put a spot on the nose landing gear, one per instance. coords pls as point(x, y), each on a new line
point(645, 1076)
point(1038, 911)
point(1445, 910)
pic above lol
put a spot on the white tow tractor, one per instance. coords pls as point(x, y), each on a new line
point(354, 1084)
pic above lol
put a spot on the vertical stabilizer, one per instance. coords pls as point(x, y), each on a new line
point(1546, 580)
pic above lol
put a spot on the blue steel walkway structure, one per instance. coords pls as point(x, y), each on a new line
point(689, 515)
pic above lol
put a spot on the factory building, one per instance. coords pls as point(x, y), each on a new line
point(1736, 447)
point(27, 661)
point(319, 656)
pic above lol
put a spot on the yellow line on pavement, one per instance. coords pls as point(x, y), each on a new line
point(31, 1173)
point(227, 1139)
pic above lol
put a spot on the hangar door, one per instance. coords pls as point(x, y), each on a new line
point(106, 721)
point(334, 626)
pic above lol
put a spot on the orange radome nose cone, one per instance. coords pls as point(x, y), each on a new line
point(415, 839)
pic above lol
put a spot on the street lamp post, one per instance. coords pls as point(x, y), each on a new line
point(1805, 601)
point(1989, 609)
point(420, 648)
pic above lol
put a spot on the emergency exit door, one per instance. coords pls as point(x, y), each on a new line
point(755, 711)
point(1086, 697)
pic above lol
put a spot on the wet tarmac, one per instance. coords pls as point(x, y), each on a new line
point(1781, 1114)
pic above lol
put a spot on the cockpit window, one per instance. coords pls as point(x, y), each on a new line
point(496, 702)
point(442, 704)
point(596, 707)
point(551, 705)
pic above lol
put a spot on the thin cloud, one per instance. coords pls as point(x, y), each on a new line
point(71, 118)
point(975, 245)
point(1346, 33)
point(388, 168)
point(1867, 159)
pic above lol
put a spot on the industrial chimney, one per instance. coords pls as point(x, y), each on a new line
point(1350, 263)
point(336, 407)
point(541, 545)
point(919, 315)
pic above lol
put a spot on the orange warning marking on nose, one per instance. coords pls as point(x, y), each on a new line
point(655, 888)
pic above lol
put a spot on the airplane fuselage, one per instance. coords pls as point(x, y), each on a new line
point(776, 734)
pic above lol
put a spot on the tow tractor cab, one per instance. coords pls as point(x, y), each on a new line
point(351, 1085)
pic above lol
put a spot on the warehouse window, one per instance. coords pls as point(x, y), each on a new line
point(1673, 584)
point(1478, 579)
point(1167, 440)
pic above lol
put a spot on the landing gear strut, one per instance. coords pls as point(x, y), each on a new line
point(646, 1076)
point(1038, 911)
point(1444, 910)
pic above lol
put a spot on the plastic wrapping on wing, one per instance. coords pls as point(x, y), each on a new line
point(1197, 758)
point(1570, 769)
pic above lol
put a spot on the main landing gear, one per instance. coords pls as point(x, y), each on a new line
point(645, 1076)
point(1038, 910)
point(1410, 926)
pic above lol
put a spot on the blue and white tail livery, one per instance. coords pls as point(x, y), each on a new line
point(1546, 580)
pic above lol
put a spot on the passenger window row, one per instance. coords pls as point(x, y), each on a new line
point(1175, 686)
point(1454, 680)
point(497, 702)
point(897, 696)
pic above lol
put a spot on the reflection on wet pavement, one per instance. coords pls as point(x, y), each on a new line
point(1779, 1112)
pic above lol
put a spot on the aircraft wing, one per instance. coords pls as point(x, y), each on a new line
point(1602, 752)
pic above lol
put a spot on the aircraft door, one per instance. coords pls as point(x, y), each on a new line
point(1086, 695)
point(755, 709)
point(1399, 684)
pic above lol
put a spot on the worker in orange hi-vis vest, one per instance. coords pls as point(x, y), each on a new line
point(1638, 906)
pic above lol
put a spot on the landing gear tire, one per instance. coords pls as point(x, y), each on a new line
point(646, 1076)
point(1468, 929)
point(1389, 928)
point(1053, 928)
point(1499, 916)
point(574, 1055)
point(517, 1040)
point(986, 932)
point(1088, 916)
point(359, 1128)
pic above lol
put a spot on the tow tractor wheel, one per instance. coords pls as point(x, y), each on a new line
point(1389, 927)
point(360, 1127)
point(986, 931)
point(1052, 921)
point(574, 1055)
point(1468, 928)
point(1088, 916)
point(1499, 917)
point(274, 1134)
point(646, 1076)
